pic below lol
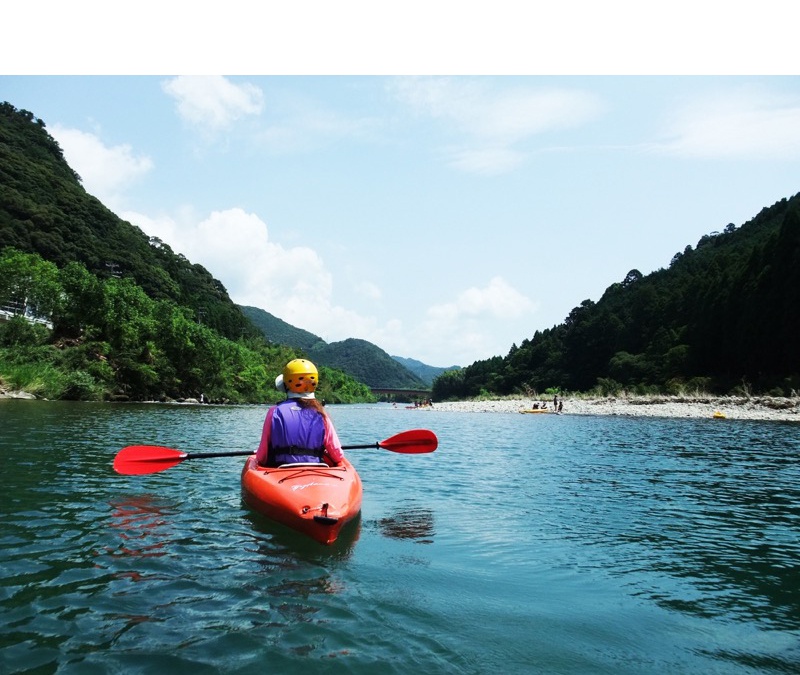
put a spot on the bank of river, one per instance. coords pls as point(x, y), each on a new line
point(744, 408)
point(762, 408)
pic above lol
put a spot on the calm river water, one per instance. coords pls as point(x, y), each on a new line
point(524, 544)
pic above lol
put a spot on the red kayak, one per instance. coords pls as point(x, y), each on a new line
point(315, 499)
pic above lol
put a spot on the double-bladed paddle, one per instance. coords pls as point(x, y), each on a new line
point(141, 459)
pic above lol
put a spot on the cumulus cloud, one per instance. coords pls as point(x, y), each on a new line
point(294, 284)
point(741, 124)
point(214, 102)
point(235, 246)
point(107, 172)
point(467, 325)
point(491, 121)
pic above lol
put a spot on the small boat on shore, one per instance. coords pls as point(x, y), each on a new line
point(315, 499)
point(536, 410)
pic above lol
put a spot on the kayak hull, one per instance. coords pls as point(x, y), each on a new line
point(317, 500)
point(536, 410)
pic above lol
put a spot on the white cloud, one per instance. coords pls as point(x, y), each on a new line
point(301, 125)
point(498, 300)
point(213, 102)
point(478, 321)
point(747, 124)
point(486, 160)
point(493, 121)
point(368, 289)
point(293, 284)
point(107, 172)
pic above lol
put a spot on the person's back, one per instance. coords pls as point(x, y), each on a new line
point(298, 430)
point(297, 433)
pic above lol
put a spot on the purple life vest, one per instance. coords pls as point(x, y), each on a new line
point(296, 435)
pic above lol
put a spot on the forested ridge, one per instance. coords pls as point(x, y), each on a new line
point(44, 209)
point(724, 317)
point(130, 318)
point(363, 360)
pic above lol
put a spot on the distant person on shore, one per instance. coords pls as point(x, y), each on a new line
point(298, 429)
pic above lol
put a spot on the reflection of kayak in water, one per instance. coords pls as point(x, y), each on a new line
point(315, 499)
point(537, 410)
point(416, 524)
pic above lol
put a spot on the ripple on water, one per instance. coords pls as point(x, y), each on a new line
point(525, 543)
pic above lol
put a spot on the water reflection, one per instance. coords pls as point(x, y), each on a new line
point(416, 524)
point(299, 546)
point(141, 523)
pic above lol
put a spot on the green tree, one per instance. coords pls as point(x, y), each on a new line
point(29, 283)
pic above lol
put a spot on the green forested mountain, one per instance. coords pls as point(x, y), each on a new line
point(362, 360)
point(278, 331)
point(367, 363)
point(423, 371)
point(130, 318)
point(45, 210)
point(724, 317)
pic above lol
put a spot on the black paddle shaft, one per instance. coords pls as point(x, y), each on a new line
point(244, 453)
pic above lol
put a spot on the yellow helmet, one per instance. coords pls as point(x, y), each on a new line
point(300, 376)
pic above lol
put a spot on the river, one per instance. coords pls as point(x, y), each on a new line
point(524, 544)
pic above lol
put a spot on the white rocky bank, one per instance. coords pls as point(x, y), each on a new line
point(741, 408)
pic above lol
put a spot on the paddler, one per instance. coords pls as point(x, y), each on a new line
point(298, 429)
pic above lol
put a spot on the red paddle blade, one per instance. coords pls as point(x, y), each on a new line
point(413, 442)
point(140, 459)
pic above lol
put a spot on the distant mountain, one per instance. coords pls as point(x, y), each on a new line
point(423, 371)
point(358, 358)
point(278, 331)
point(367, 363)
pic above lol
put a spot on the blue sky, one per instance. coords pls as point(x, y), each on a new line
point(439, 212)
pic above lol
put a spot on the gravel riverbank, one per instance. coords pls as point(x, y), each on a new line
point(742, 408)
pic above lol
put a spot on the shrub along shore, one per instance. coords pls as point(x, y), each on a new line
point(731, 407)
point(764, 408)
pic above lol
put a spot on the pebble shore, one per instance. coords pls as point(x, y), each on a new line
point(728, 407)
point(732, 408)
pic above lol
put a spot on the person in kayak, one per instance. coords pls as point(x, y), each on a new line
point(298, 429)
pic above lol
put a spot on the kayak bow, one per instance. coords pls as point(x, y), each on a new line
point(315, 499)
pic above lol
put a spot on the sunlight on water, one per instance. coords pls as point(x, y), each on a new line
point(524, 544)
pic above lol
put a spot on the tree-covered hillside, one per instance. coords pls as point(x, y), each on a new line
point(367, 363)
point(362, 360)
point(102, 312)
point(423, 371)
point(277, 331)
point(45, 210)
point(724, 317)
